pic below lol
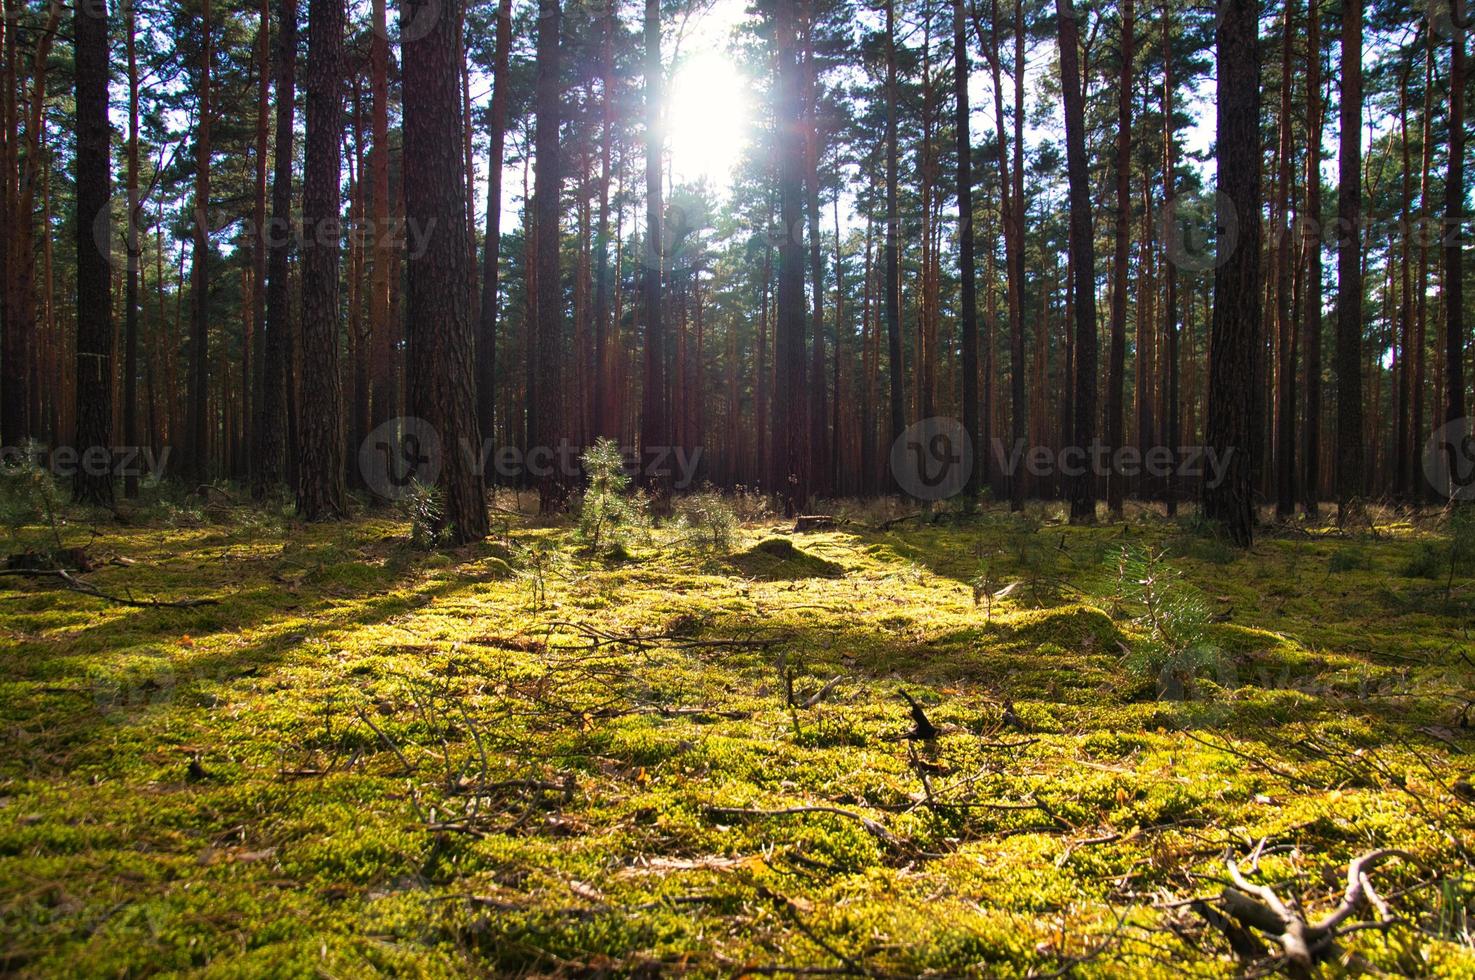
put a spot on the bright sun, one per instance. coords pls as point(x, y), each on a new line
point(708, 117)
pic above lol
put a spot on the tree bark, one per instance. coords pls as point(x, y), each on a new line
point(1235, 336)
point(272, 428)
point(966, 271)
point(895, 367)
point(441, 371)
point(1285, 398)
point(321, 493)
point(1117, 362)
point(197, 441)
point(382, 332)
point(1083, 257)
point(92, 482)
point(789, 405)
point(548, 422)
point(1454, 228)
point(1350, 455)
point(130, 286)
point(1312, 314)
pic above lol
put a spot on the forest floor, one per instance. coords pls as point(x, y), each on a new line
point(518, 759)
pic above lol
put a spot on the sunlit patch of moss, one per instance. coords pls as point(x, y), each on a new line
point(196, 785)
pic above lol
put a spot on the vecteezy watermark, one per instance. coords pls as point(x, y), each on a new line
point(68, 461)
point(933, 460)
point(407, 451)
point(399, 454)
point(403, 234)
point(1449, 460)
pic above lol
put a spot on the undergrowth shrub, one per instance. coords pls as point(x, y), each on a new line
point(708, 519)
point(610, 514)
point(30, 496)
point(1171, 619)
point(425, 508)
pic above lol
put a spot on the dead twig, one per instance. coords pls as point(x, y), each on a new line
point(1248, 907)
point(75, 584)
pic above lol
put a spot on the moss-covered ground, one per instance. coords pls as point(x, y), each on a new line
point(519, 759)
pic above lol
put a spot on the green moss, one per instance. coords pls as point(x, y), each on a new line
point(285, 783)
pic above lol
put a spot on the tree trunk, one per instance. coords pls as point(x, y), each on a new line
point(93, 479)
point(1117, 362)
point(1454, 228)
point(1172, 410)
point(321, 494)
point(276, 354)
point(895, 367)
point(654, 426)
point(197, 442)
point(548, 422)
point(382, 332)
point(441, 372)
point(1083, 257)
point(1349, 267)
point(1235, 336)
point(818, 450)
point(966, 271)
point(607, 418)
point(1311, 316)
point(789, 404)
point(1285, 398)
point(130, 287)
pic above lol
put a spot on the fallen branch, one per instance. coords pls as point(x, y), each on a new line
point(87, 588)
point(1248, 907)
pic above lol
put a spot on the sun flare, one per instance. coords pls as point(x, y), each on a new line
point(709, 115)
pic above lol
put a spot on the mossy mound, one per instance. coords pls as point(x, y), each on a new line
point(777, 559)
point(1076, 627)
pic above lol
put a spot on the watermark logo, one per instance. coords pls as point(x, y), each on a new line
point(933, 459)
point(1449, 460)
point(417, 18)
point(399, 454)
point(407, 451)
point(1198, 232)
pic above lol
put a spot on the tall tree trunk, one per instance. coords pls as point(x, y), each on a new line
point(1349, 266)
point(130, 287)
point(197, 441)
point(259, 247)
point(1117, 361)
point(1083, 258)
point(818, 449)
point(789, 404)
point(654, 425)
point(19, 385)
point(382, 331)
point(1235, 337)
point(895, 367)
point(842, 333)
point(14, 361)
point(1404, 435)
point(1172, 410)
point(966, 271)
point(1454, 228)
point(1285, 398)
point(277, 352)
point(1010, 207)
point(441, 371)
point(607, 419)
point(321, 493)
point(548, 421)
point(1311, 317)
point(1421, 316)
point(93, 479)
